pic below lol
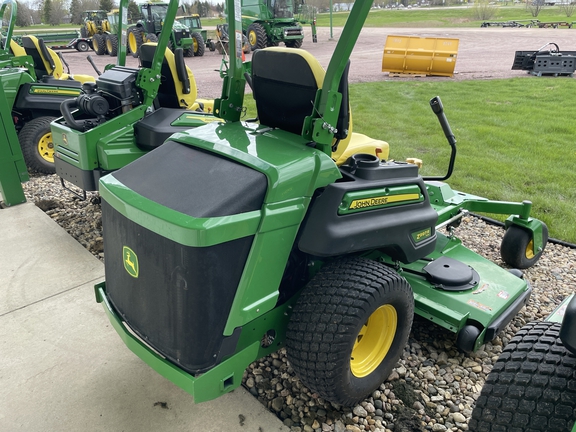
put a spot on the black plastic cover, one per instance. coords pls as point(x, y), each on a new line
point(42, 104)
point(326, 233)
point(154, 129)
point(119, 82)
point(181, 299)
point(193, 182)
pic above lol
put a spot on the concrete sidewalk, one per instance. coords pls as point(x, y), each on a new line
point(63, 367)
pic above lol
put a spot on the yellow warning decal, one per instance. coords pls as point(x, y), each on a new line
point(55, 91)
point(381, 200)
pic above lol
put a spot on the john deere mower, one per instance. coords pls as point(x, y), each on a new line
point(236, 238)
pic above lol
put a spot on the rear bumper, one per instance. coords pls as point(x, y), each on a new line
point(219, 380)
point(502, 321)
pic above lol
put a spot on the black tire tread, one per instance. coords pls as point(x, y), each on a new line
point(200, 42)
point(318, 335)
point(99, 44)
point(28, 138)
point(532, 386)
point(261, 37)
point(514, 244)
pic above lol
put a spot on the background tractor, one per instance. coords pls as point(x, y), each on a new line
point(269, 22)
point(198, 34)
point(271, 238)
point(150, 25)
point(95, 25)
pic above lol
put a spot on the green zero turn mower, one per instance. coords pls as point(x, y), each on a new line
point(236, 238)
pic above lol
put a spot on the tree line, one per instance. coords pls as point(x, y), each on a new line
point(56, 12)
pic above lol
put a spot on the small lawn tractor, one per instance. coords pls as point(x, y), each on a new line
point(532, 386)
point(236, 238)
point(35, 91)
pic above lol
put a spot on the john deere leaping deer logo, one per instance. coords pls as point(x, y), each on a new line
point(130, 261)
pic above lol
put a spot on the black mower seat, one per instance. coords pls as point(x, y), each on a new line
point(178, 86)
point(285, 82)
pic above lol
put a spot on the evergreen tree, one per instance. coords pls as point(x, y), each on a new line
point(106, 5)
point(47, 11)
point(76, 10)
point(133, 12)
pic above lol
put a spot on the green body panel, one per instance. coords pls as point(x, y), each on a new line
point(557, 314)
point(221, 379)
point(12, 167)
point(495, 292)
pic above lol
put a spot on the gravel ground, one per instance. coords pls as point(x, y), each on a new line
point(433, 387)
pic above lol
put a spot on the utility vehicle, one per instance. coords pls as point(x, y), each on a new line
point(236, 238)
point(34, 93)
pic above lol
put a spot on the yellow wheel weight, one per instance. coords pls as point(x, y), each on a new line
point(373, 341)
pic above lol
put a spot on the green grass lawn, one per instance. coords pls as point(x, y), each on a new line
point(515, 137)
point(443, 17)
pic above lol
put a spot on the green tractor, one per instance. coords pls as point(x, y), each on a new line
point(269, 22)
point(236, 238)
point(149, 27)
point(95, 25)
point(198, 34)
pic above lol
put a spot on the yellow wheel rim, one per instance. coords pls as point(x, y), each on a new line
point(252, 38)
point(195, 45)
point(530, 250)
point(373, 341)
point(46, 147)
point(132, 42)
point(109, 44)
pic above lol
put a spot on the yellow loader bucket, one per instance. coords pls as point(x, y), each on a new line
point(419, 55)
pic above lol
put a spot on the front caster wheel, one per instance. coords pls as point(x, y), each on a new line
point(349, 328)
point(517, 248)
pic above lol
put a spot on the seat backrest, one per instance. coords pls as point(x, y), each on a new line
point(46, 61)
point(16, 49)
point(177, 90)
point(285, 82)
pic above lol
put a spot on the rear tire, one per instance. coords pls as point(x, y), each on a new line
point(37, 145)
point(198, 45)
point(297, 43)
point(532, 386)
point(349, 328)
point(151, 37)
point(99, 44)
point(256, 36)
point(135, 39)
point(517, 247)
point(112, 44)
